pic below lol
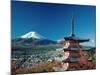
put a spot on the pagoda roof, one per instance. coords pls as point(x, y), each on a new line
point(71, 60)
point(74, 38)
point(74, 48)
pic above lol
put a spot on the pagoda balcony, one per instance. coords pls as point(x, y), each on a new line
point(69, 54)
point(71, 60)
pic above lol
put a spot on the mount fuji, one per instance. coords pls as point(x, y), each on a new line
point(32, 35)
point(31, 39)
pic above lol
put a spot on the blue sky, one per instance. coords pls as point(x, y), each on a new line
point(53, 20)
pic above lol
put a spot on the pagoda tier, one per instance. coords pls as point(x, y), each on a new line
point(74, 48)
point(72, 54)
point(75, 39)
point(71, 60)
point(73, 51)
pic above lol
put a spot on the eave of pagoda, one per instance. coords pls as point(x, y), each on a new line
point(75, 40)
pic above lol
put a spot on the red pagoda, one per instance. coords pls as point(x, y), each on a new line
point(76, 58)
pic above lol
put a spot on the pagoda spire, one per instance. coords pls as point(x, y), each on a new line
point(72, 26)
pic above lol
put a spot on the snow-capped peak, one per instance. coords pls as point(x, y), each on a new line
point(32, 35)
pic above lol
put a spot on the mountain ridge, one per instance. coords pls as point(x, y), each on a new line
point(32, 38)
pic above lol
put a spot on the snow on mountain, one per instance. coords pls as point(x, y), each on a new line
point(32, 35)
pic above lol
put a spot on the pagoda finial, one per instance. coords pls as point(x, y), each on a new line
point(72, 26)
